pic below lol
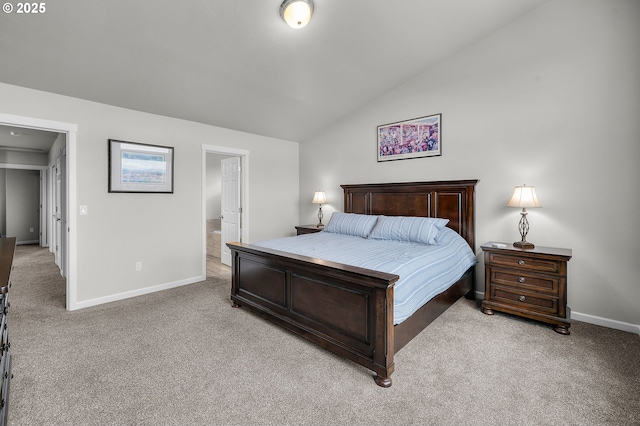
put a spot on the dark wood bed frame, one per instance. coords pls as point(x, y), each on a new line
point(345, 309)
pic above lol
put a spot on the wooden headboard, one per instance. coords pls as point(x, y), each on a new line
point(453, 200)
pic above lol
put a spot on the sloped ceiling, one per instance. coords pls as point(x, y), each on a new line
point(235, 63)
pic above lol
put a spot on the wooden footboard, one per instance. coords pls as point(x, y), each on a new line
point(344, 309)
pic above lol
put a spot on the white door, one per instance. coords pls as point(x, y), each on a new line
point(59, 240)
point(57, 213)
point(230, 206)
point(44, 232)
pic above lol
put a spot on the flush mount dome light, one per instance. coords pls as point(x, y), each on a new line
point(296, 13)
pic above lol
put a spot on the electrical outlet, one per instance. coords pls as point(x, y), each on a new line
point(30, 229)
point(139, 266)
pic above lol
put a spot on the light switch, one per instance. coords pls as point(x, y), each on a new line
point(83, 210)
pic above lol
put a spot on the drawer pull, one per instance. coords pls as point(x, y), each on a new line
point(521, 298)
point(521, 279)
point(520, 262)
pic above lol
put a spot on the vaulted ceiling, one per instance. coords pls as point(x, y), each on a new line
point(235, 63)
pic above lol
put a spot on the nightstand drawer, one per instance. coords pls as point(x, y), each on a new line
point(524, 300)
point(522, 262)
point(535, 282)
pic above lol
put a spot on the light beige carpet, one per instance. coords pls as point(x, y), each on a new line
point(184, 356)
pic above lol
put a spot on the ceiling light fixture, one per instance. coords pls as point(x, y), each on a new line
point(296, 13)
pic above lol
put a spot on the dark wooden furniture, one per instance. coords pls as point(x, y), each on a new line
point(7, 252)
point(308, 229)
point(345, 309)
point(531, 283)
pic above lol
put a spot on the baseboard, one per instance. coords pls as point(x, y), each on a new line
point(22, 243)
point(133, 293)
point(592, 319)
point(606, 322)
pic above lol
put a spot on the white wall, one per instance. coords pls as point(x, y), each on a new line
point(551, 100)
point(22, 205)
point(163, 231)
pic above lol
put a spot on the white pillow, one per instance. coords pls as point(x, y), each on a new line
point(411, 229)
point(358, 225)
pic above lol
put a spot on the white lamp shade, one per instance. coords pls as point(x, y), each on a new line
point(296, 13)
point(319, 198)
point(524, 196)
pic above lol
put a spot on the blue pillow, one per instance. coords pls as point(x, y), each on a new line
point(358, 225)
point(422, 230)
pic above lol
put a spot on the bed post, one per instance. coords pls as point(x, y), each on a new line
point(385, 346)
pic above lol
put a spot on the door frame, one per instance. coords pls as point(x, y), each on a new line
point(70, 130)
point(244, 193)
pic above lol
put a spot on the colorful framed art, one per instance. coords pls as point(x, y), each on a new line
point(416, 138)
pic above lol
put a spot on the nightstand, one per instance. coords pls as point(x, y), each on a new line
point(531, 283)
point(308, 229)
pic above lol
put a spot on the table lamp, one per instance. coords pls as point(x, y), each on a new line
point(524, 196)
point(319, 198)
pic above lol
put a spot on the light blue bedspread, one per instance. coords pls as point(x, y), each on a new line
point(424, 270)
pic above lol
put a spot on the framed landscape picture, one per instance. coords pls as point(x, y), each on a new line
point(420, 137)
point(137, 167)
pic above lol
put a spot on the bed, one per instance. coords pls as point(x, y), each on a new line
point(356, 317)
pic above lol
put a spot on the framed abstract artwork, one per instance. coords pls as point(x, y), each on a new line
point(416, 138)
point(142, 168)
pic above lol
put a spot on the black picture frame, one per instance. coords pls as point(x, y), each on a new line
point(140, 168)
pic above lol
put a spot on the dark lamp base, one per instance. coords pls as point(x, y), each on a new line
point(523, 245)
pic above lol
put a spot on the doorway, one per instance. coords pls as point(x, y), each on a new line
point(225, 203)
point(67, 191)
point(32, 200)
